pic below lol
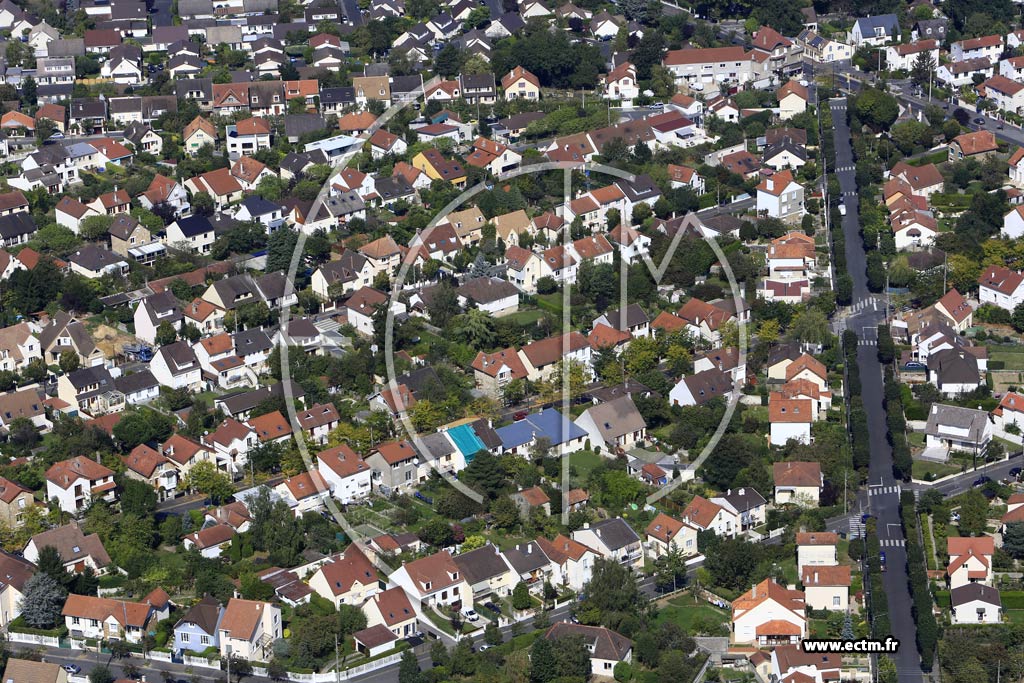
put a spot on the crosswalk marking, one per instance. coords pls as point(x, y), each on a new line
point(863, 304)
point(884, 490)
point(866, 342)
point(892, 542)
point(842, 169)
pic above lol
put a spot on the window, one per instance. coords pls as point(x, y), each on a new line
point(835, 601)
point(203, 640)
point(184, 637)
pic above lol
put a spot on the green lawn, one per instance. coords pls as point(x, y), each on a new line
point(687, 612)
point(916, 439)
point(584, 462)
point(1015, 616)
point(923, 468)
point(1011, 357)
point(525, 318)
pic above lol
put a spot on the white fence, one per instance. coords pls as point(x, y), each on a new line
point(330, 676)
point(34, 639)
point(202, 662)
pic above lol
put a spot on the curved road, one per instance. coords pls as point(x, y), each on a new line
point(883, 498)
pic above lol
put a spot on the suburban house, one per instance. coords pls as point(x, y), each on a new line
point(970, 560)
point(347, 578)
point(1002, 287)
point(827, 587)
point(434, 581)
point(347, 474)
point(798, 483)
point(816, 549)
point(957, 428)
point(487, 572)
point(199, 628)
point(105, 619)
point(976, 603)
point(769, 615)
point(75, 482)
point(665, 534)
point(573, 561)
point(606, 648)
point(392, 609)
point(77, 550)
point(616, 425)
point(613, 539)
point(248, 629)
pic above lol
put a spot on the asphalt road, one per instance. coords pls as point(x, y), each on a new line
point(883, 499)
point(162, 16)
point(352, 11)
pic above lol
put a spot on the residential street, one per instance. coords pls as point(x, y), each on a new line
point(885, 505)
point(154, 669)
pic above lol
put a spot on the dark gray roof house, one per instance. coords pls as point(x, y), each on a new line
point(297, 125)
point(481, 564)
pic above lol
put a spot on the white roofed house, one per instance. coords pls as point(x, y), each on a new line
point(816, 549)
point(491, 295)
point(988, 47)
point(230, 444)
point(605, 647)
point(632, 244)
point(790, 419)
point(747, 507)
point(780, 196)
point(524, 268)
point(1007, 95)
point(970, 561)
point(392, 609)
point(1010, 411)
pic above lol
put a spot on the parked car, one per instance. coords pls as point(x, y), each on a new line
point(72, 669)
point(492, 607)
point(1015, 472)
point(981, 481)
point(470, 614)
point(881, 560)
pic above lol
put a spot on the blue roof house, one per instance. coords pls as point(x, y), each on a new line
point(562, 434)
point(877, 30)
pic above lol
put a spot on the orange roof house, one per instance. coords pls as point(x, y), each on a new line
point(769, 615)
point(970, 560)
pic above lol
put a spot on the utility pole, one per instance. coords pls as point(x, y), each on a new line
point(337, 665)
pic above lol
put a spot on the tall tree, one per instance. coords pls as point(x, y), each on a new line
point(42, 601)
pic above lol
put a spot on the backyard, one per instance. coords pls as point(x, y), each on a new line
point(694, 616)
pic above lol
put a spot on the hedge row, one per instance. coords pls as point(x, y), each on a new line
point(917, 573)
point(858, 416)
point(879, 605)
point(843, 283)
point(902, 462)
point(886, 346)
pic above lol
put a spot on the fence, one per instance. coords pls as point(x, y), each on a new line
point(202, 662)
point(34, 639)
